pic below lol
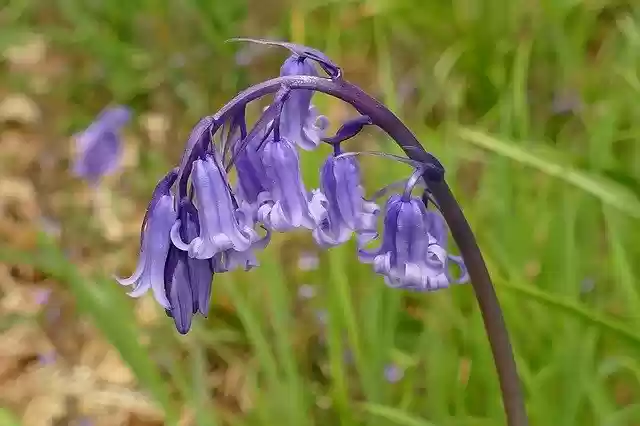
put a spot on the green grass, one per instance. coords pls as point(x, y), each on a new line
point(554, 199)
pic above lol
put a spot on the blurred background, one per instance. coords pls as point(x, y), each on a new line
point(531, 105)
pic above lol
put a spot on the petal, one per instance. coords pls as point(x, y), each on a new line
point(251, 176)
point(292, 207)
point(201, 275)
point(159, 226)
point(219, 228)
point(178, 289)
point(349, 194)
point(464, 274)
point(142, 260)
point(100, 156)
point(236, 259)
point(389, 231)
point(176, 238)
point(157, 243)
point(437, 227)
point(114, 117)
point(283, 169)
point(330, 238)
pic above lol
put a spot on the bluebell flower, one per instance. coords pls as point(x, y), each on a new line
point(393, 373)
point(348, 211)
point(301, 124)
point(99, 148)
point(155, 244)
point(251, 188)
point(409, 257)
point(292, 205)
point(222, 225)
point(187, 280)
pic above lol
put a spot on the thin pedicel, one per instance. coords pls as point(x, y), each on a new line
point(412, 254)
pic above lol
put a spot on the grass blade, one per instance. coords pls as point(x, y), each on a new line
point(559, 303)
point(394, 415)
point(607, 191)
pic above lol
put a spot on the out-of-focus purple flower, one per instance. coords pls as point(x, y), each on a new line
point(393, 373)
point(50, 226)
point(322, 316)
point(301, 124)
point(348, 210)
point(155, 244)
point(409, 257)
point(588, 285)
point(99, 148)
point(85, 421)
point(187, 280)
point(306, 292)
point(566, 101)
point(293, 206)
point(308, 261)
point(222, 226)
point(251, 190)
point(348, 357)
point(42, 296)
point(47, 358)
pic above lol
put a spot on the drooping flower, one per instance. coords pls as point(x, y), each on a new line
point(222, 226)
point(348, 211)
point(99, 148)
point(187, 280)
point(155, 244)
point(250, 189)
point(293, 206)
point(409, 257)
point(301, 124)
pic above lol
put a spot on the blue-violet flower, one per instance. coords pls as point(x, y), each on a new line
point(187, 280)
point(293, 206)
point(348, 211)
point(155, 244)
point(99, 148)
point(409, 257)
point(222, 226)
point(301, 124)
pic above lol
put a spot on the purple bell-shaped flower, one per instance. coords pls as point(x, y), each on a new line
point(222, 226)
point(155, 244)
point(348, 211)
point(187, 280)
point(99, 148)
point(409, 257)
point(301, 124)
point(292, 205)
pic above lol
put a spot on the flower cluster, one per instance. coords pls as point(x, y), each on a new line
point(203, 219)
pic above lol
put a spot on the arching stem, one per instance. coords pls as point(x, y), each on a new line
point(460, 229)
